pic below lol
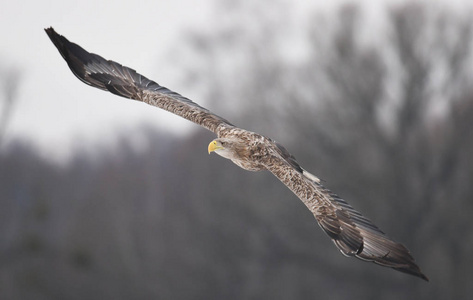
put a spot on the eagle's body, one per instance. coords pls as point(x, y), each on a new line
point(352, 233)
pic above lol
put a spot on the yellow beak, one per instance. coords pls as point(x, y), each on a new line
point(214, 145)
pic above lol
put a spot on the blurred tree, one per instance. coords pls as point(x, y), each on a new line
point(378, 119)
point(385, 118)
point(10, 79)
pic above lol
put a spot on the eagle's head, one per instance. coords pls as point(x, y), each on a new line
point(223, 147)
point(237, 151)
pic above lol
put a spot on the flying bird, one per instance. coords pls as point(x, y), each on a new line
point(351, 232)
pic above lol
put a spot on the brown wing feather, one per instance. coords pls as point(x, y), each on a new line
point(111, 76)
point(351, 232)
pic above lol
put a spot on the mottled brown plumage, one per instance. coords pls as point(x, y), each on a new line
point(352, 233)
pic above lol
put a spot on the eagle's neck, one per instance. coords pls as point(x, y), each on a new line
point(241, 154)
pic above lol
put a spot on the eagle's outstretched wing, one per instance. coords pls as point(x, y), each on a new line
point(108, 75)
point(351, 232)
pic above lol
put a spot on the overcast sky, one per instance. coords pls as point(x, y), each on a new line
point(53, 107)
point(54, 110)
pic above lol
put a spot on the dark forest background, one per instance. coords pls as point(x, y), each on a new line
point(387, 123)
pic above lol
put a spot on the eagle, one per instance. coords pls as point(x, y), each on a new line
point(352, 233)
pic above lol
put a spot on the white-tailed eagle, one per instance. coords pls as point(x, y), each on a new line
point(351, 232)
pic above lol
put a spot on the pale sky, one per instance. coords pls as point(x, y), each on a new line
point(54, 110)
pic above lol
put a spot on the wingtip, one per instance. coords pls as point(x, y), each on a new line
point(49, 30)
point(413, 270)
point(421, 275)
point(53, 35)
